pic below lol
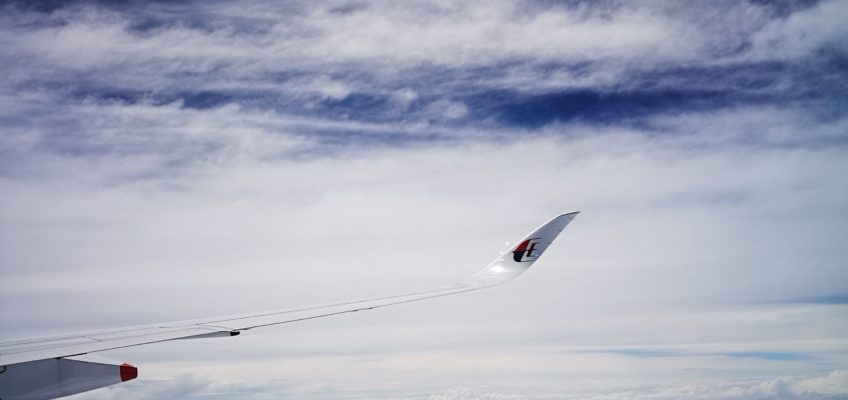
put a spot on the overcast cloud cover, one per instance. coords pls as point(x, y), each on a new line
point(173, 160)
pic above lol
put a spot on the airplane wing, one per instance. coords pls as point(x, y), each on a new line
point(51, 367)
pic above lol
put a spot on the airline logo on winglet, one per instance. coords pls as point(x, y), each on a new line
point(526, 251)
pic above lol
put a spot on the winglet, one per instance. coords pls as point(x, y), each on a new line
point(522, 256)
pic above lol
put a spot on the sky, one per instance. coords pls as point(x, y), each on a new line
point(173, 160)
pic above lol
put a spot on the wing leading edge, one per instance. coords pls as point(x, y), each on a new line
point(503, 269)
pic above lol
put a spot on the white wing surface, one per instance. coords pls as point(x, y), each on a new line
point(503, 269)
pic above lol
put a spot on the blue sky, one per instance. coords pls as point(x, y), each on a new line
point(170, 160)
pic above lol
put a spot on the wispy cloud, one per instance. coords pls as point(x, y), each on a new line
point(350, 61)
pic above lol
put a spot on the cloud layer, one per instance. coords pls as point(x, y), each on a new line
point(164, 161)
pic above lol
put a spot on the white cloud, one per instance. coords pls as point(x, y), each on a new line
point(241, 47)
point(468, 394)
point(403, 97)
point(804, 34)
point(330, 88)
point(682, 212)
point(831, 386)
point(834, 384)
point(458, 33)
point(447, 109)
